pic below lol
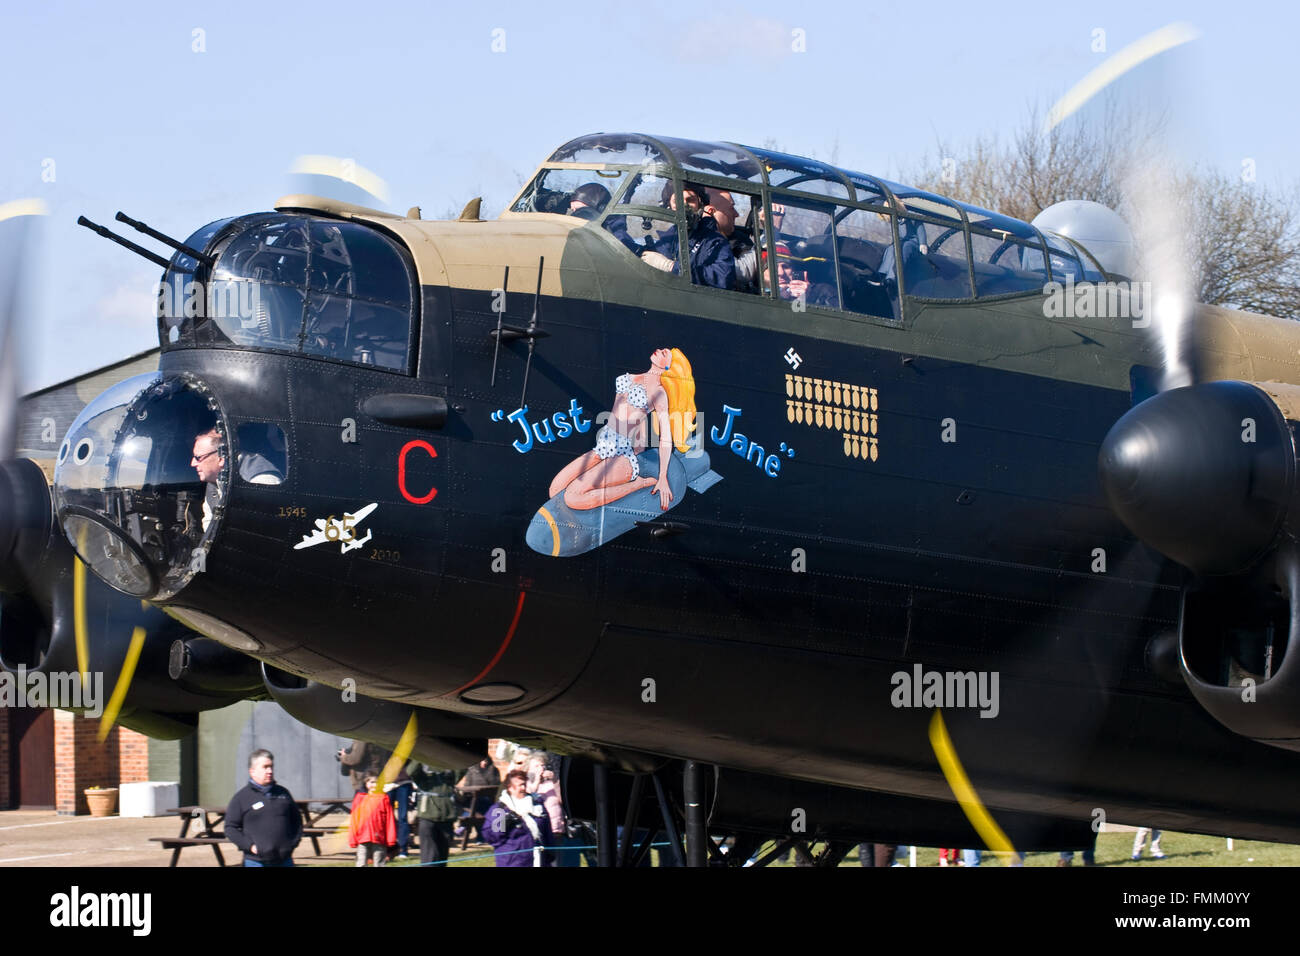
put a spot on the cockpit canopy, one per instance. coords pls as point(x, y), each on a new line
point(290, 282)
point(839, 236)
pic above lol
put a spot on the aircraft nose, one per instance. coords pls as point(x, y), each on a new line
point(1203, 474)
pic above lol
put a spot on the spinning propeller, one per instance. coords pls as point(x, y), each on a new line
point(54, 616)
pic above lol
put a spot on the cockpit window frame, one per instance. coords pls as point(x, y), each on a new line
point(863, 191)
point(627, 174)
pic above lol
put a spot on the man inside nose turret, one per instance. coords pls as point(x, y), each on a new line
point(208, 461)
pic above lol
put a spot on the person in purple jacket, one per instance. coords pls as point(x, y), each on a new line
point(516, 827)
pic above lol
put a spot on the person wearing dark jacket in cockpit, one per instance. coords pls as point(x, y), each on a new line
point(588, 201)
point(722, 207)
point(712, 262)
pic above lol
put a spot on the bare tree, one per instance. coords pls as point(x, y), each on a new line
point(1040, 167)
point(1242, 241)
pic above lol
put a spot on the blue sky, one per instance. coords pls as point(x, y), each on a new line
point(134, 119)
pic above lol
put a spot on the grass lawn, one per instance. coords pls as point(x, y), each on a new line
point(1113, 849)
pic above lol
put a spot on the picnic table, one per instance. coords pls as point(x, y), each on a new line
point(311, 820)
point(212, 817)
point(207, 836)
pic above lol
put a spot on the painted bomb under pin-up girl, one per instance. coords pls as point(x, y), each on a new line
point(658, 402)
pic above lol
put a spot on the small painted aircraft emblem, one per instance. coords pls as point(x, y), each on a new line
point(344, 532)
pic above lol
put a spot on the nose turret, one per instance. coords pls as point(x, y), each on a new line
point(141, 481)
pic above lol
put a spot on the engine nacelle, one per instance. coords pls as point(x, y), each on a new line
point(443, 739)
point(1207, 475)
point(1234, 638)
point(203, 666)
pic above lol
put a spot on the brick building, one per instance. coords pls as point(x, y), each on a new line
point(81, 760)
point(48, 758)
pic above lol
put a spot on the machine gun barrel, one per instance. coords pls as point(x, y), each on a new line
point(109, 234)
point(139, 226)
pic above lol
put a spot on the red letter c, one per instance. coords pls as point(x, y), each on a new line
point(401, 471)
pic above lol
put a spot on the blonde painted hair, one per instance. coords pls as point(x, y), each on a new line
point(679, 384)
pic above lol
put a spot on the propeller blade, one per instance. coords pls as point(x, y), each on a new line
point(993, 835)
point(15, 219)
point(1110, 70)
point(401, 753)
point(335, 178)
point(123, 685)
point(1162, 230)
point(1155, 210)
point(79, 610)
point(24, 498)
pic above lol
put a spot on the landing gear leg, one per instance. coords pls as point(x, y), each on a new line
point(629, 822)
point(697, 841)
point(670, 824)
point(606, 836)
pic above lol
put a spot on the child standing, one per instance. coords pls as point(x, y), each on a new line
point(373, 828)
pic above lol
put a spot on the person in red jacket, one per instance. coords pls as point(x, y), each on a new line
point(373, 829)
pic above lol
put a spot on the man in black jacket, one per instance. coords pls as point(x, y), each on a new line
point(262, 819)
point(712, 263)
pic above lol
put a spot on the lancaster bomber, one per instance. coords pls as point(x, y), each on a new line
point(719, 470)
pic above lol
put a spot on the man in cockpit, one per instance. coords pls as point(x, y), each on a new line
point(712, 263)
point(722, 207)
point(588, 201)
point(794, 283)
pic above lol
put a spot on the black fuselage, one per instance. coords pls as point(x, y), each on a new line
point(772, 625)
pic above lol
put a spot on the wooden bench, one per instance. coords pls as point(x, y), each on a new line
point(176, 844)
